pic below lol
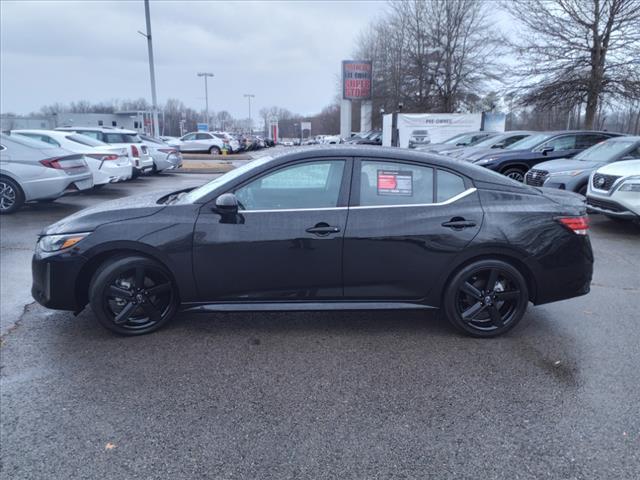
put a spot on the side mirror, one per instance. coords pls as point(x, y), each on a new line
point(227, 203)
point(546, 150)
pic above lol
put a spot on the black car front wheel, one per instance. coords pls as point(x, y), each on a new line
point(133, 295)
point(486, 298)
point(514, 173)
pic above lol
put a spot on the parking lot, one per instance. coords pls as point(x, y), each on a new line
point(366, 394)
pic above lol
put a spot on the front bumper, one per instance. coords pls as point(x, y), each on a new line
point(54, 279)
point(619, 205)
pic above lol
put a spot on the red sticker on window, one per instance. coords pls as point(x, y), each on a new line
point(395, 182)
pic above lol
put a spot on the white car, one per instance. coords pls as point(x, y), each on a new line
point(232, 144)
point(171, 141)
point(33, 170)
point(201, 142)
point(165, 157)
point(108, 164)
point(331, 139)
point(129, 139)
point(614, 190)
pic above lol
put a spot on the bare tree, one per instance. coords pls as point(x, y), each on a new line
point(575, 51)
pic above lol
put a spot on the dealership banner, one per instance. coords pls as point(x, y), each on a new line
point(430, 127)
point(356, 80)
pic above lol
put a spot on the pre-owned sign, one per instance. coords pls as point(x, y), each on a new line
point(356, 80)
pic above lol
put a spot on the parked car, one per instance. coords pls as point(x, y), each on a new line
point(331, 139)
point(171, 141)
point(461, 140)
point(33, 170)
point(614, 190)
point(108, 164)
point(230, 143)
point(165, 157)
point(419, 138)
point(515, 160)
point(500, 141)
point(373, 137)
point(573, 173)
point(118, 137)
point(336, 228)
point(203, 142)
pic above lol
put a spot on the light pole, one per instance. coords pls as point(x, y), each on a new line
point(206, 94)
point(249, 96)
point(154, 107)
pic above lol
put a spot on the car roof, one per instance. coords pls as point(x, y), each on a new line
point(98, 129)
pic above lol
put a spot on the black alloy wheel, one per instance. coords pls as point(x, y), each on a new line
point(11, 196)
point(516, 174)
point(133, 295)
point(486, 298)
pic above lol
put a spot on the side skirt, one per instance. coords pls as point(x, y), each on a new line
point(301, 306)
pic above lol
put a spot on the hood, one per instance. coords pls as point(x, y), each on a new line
point(506, 154)
point(125, 208)
point(437, 147)
point(476, 153)
point(624, 168)
point(566, 164)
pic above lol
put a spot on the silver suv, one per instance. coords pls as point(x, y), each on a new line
point(33, 170)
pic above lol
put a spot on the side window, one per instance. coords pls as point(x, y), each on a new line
point(514, 139)
point(392, 183)
point(203, 136)
point(308, 185)
point(567, 142)
point(114, 138)
point(448, 185)
point(586, 141)
point(189, 136)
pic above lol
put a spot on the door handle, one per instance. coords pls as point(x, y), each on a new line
point(458, 223)
point(322, 229)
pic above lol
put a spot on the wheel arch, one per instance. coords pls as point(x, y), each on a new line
point(109, 252)
point(516, 164)
point(505, 256)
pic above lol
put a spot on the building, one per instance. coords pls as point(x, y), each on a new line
point(134, 120)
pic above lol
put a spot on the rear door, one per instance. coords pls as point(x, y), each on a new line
point(407, 222)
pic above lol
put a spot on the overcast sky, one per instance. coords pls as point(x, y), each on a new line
point(287, 53)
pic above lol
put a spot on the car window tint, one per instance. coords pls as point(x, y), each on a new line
point(203, 136)
point(113, 138)
point(586, 141)
point(567, 142)
point(309, 185)
point(189, 136)
point(91, 134)
point(393, 183)
point(516, 138)
point(635, 153)
point(448, 185)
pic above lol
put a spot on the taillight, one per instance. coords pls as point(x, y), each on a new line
point(103, 157)
point(134, 151)
point(64, 163)
point(578, 225)
point(167, 150)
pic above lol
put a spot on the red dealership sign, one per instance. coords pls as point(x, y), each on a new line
point(356, 80)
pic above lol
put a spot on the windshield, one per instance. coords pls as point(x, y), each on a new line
point(201, 192)
point(492, 140)
point(529, 142)
point(84, 140)
point(459, 138)
point(605, 151)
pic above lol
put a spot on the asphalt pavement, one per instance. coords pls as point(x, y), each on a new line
point(319, 395)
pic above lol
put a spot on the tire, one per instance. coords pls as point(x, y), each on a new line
point(515, 173)
point(133, 295)
point(11, 196)
point(486, 298)
point(214, 151)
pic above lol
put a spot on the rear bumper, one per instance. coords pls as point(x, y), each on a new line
point(54, 279)
point(51, 187)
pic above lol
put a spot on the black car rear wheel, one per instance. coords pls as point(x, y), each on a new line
point(133, 295)
point(486, 298)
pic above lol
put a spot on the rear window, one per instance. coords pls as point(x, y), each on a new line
point(85, 140)
point(121, 138)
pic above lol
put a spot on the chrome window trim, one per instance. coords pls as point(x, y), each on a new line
point(461, 195)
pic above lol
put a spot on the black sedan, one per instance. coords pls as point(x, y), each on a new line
point(515, 160)
point(323, 228)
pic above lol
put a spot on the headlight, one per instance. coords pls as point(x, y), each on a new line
point(570, 173)
point(484, 161)
point(630, 186)
point(53, 243)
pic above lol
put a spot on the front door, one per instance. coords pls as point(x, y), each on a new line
point(407, 223)
point(286, 241)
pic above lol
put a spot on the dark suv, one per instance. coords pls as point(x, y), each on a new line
point(515, 160)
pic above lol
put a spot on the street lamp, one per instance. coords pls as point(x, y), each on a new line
point(249, 96)
point(156, 128)
point(206, 94)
